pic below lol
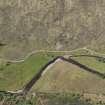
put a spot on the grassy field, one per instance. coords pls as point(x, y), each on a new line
point(92, 62)
point(15, 75)
point(65, 77)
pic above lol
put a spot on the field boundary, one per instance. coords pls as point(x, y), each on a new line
point(43, 69)
point(37, 76)
point(92, 53)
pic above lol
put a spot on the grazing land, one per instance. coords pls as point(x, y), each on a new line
point(37, 33)
point(13, 76)
point(65, 77)
point(19, 73)
point(93, 62)
point(62, 77)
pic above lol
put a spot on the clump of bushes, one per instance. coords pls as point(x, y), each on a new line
point(12, 99)
point(101, 59)
point(63, 99)
point(46, 99)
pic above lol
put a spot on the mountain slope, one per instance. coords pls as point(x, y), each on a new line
point(45, 24)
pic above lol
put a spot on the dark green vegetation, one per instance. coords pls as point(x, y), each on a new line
point(11, 99)
point(47, 99)
point(50, 24)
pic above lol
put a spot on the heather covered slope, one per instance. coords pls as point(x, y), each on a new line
point(27, 25)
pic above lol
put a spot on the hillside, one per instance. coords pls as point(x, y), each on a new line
point(14, 75)
point(66, 77)
point(20, 73)
point(27, 25)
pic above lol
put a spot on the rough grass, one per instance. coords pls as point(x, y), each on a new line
point(80, 51)
point(65, 77)
point(47, 99)
point(15, 75)
point(92, 62)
